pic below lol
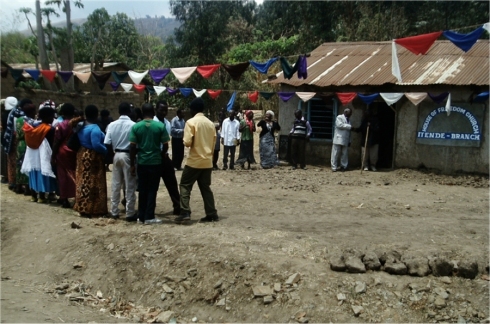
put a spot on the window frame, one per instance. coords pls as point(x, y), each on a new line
point(307, 106)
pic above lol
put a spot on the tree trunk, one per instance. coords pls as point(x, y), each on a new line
point(43, 56)
point(70, 85)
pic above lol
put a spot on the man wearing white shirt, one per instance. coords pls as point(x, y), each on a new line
point(117, 141)
point(230, 138)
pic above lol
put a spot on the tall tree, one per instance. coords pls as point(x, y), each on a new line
point(41, 43)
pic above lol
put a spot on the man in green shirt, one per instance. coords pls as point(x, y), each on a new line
point(148, 136)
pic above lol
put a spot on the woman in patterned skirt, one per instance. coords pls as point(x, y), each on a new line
point(267, 146)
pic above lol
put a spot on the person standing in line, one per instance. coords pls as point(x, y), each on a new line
point(21, 179)
point(216, 146)
point(200, 137)
point(267, 146)
point(10, 139)
point(341, 141)
point(230, 138)
point(177, 133)
point(167, 168)
point(104, 120)
point(221, 116)
point(247, 128)
point(3, 162)
point(300, 134)
point(147, 138)
point(371, 120)
point(117, 141)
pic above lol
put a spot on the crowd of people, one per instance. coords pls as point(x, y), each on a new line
point(59, 153)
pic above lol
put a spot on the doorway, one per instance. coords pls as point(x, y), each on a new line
point(386, 117)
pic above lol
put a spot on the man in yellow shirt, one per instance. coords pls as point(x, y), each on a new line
point(200, 137)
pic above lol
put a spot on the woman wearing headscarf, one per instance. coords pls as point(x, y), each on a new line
point(39, 137)
point(63, 157)
point(247, 128)
point(9, 139)
point(21, 179)
point(91, 186)
point(267, 146)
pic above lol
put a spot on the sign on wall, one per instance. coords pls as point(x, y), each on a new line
point(463, 127)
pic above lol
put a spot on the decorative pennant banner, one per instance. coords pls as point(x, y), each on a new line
point(486, 26)
point(126, 86)
point(419, 44)
point(285, 96)
point(172, 91)
point(150, 90)
point(395, 66)
point(346, 97)
point(186, 92)
point(448, 104)
point(287, 69)
point(137, 77)
point(214, 93)
point(229, 105)
point(198, 94)
point(254, 96)
point(119, 76)
point(159, 89)
point(464, 41)
point(416, 97)
point(263, 67)
point(236, 71)
point(159, 75)
point(368, 99)
point(101, 78)
point(438, 98)
point(303, 67)
point(139, 87)
point(184, 73)
point(17, 73)
point(114, 85)
point(266, 95)
point(482, 97)
point(33, 73)
point(48, 74)
point(207, 70)
point(305, 96)
point(391, 98)
point(65, 75)
point(83, 76)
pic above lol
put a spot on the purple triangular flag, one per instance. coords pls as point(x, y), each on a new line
point(159, 75)
point(65, 75)
point(172, 91)
point(285, 96)
point(114, 85)
point(303, 68)
point(438, 98)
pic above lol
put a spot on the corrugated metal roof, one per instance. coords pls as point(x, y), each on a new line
point(369, 63)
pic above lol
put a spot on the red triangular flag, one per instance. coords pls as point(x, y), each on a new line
point(346, 97)
point(48, 75)
point(214, 93)
point(207, 70)
point(139, 87)
point(253, 96)
point(419, 44)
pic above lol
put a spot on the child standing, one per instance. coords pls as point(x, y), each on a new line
point(216, 146)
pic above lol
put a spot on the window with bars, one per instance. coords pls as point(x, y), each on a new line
point(321, 115)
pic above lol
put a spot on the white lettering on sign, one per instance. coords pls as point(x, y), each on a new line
point(450, 136)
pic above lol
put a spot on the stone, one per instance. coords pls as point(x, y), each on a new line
point(341, 297)
point(391, 256)
point(371, 261)
point(163, 296)
point(360, 287)
point(78, 265)
point(164, 317)
point(337, 263)
point(441, 292)
point(192, 272)
point(303, 320)
point(446, 280)
point(431, 314)
point(262, 291)
point(294, 278)
point(417, 266)
point(355, 265)
point(218, 284)
point(395, 268)
point(439, 302)
point(357, 310)
point(221, 302)
point(461, 319)
point(167, 289)
point(110, 246)
point(194, 319)
point(268, 299)
point(277, 287)
point(467, 269)
point(440, 267)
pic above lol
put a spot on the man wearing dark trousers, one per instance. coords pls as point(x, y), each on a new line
point(167, 171)
point(200, 137)
point(152, 139)
point(300, 134)
point(177, 133)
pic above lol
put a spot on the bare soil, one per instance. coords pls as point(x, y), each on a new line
point(273, 223)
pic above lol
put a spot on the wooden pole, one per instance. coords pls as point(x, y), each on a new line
point(365, 148)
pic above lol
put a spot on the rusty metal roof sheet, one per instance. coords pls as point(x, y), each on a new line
point(369, 63)
point(77, 67)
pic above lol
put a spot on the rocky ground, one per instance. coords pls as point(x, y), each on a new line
point(291, 246)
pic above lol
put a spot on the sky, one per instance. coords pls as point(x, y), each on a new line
point(133, 8)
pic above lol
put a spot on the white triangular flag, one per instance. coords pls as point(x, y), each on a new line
point(137, 77)
point(126, 86)
point(391, 98)
point(305, 96)
point(199, 94)
point(448, 104)
point(159, 89)
point(486, 26)
point(395, 67)
point(182, 74)
point(416, 97)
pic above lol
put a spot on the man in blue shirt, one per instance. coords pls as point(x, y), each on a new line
point(177, 133)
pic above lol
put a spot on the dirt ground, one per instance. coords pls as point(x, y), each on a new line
point(273, 224)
